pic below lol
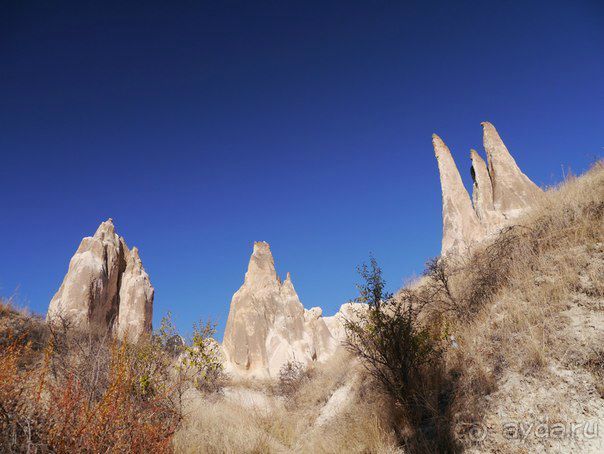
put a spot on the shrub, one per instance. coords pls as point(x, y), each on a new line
point(20, 419)
point(291, 375)
point(202, 359)
point(405, 355)
point(85, 393)
point(125, 417)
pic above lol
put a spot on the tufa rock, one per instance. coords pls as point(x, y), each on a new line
point(482, 194)
point(135, 299)
point(267, 325)
point(336, 324)
point(513, 191)
point(501, 193)
point(106, 288)
point(461, 227)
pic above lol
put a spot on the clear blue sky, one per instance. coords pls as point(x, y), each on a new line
point(200, 127)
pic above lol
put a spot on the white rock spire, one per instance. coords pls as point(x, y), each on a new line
point(267, 325)
point(461, 227)
point(106, 288)
point(500, 193)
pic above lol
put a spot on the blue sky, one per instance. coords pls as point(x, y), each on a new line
point(200, 127)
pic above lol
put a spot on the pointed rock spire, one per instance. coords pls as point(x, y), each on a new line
point(482, 192)
point(501, 193)
point(88, 296)
point(266, 326)
point(91, 295)
point(461, 227)
point(513, 191)
point(262, 265)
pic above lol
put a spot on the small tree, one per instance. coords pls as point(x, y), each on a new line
point(403, 354)
point(388, 337)
point(203, 358)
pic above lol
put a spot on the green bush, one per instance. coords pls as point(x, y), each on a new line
point(402, 348)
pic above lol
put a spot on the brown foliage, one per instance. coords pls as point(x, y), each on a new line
point(84, 394)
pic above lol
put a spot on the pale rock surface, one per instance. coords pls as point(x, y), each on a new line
point(501, 193)
point(482, 194)
point(267, 325)
point(513, 191)
point(323, 342)
point(136, 299)
point(338, 401)
point(105, 285)
point(337, 323)
point(461, 227)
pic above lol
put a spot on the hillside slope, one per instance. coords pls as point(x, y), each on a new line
point(523, 370)
point(531, 362)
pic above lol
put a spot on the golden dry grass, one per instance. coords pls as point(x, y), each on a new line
point(362, 422)
point(544, 318)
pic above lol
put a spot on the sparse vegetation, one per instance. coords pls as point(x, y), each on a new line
point(511, 330)
point(405, 355)
point(202, 358)
point(260, 419)
point(504, 309)
point(64, 391)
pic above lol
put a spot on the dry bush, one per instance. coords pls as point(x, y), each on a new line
point(16, 322)
point(323, 380)
point(502, 309)
point(92, 393)
point(512, 296)
point(291, 425)
point(20, 418)
point(290, 378)
point(123, 416)
point(82, 394)
point(202, 360)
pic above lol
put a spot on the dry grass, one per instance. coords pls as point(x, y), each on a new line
point(545, 289)
point(291, 424)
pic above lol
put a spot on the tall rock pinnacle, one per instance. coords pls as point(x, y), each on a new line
point(513, 191)
point(261, 267)
point(267, 324)
point(461, 227)
point(105, 285)
point(501, 193)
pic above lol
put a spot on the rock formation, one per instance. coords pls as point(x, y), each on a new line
point(482, 194)
point(106, 288)
point(135, 299)
point(337, 323)
point(267, 325)
point(461, 227)
point(513, 191)
point(501, 193)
